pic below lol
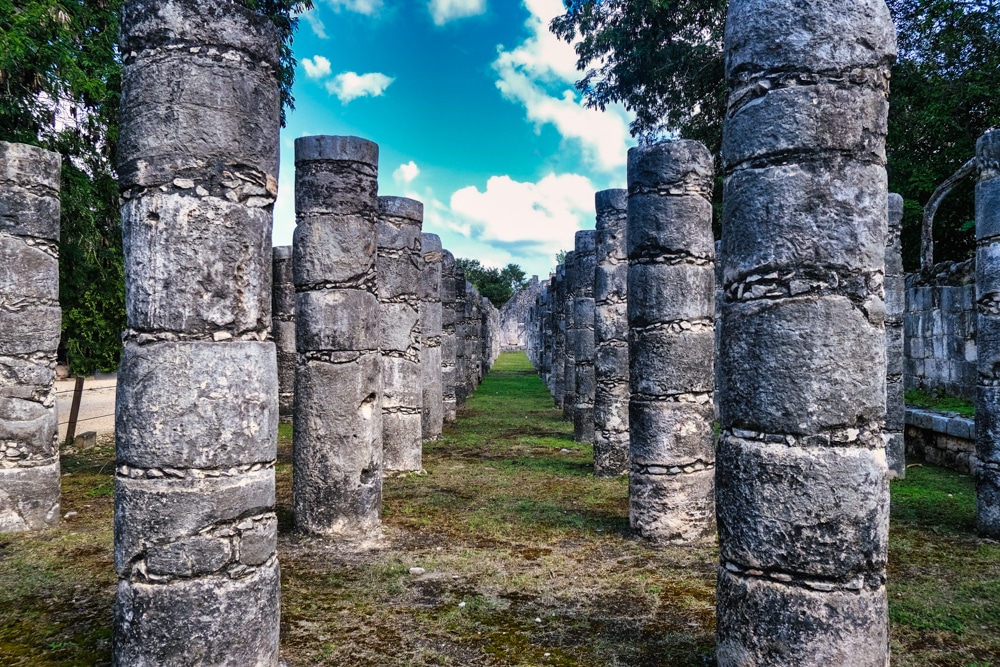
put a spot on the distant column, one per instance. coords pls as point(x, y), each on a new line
point(583, 322)
point(430, 337)
point(283, 328)
point(449, 336)
point(988, 333)
point(559, 337)
point(569, 336)
point(337, 477)
point(461, 339)
point(30, 324)
point(802, 481)
point(895, 310)
point(671, 317)
point(197, 404)
point(398, 271)
point(611, 395)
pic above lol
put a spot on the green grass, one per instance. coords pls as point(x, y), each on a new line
point(510, 526)
point(938, 401)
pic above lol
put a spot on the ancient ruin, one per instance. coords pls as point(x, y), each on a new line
point(197, 403)
point(337, 483)
point(671, 320)
point(30, 325)
point(572, 288)
point(397, 268)
point(430, 337)
point(558, 306)
point(611, 393)
point(283, 328)
point(803, 493)
point(582, 336)
point(449, 339)
point(988, 340)
point(895, 309)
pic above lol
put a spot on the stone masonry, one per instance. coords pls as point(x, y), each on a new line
point(988, 300)
point(430, 337)
point(558, 306)
point(461, 338)
point(30, 324)
point(572, 286)
point(802, 480)
point(895, 309)
point(611, 394)
point(398, 273)
point(197, 402)
point(449, 339)
point(583, 337)
point(283, 328)
point(337, 481)
point(671, 319)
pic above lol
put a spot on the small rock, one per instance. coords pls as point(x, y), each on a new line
point(417, 570)
point(184, 183)
point(538, 620)
point(461, 604)
point(69, 515)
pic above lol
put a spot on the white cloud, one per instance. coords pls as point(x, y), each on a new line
point(539, 74)
point(349, 86)
point(443, 11)
point(316, 24)
point(366, 7)
point(405, 173)
point(316, 68)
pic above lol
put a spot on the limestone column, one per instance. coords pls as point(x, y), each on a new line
point(197, 403)
point(895, 310)
point(337, 481)
point(611, 394)
point(461, 339)
point(988, 333)
point(559, 337)
point(430, 337)
point(449, 336)
point(569, 344)
point(283, 328)
point(398, 270)
point(671, 319)
point(803, 494)
point(30, 324)
point(583, 322)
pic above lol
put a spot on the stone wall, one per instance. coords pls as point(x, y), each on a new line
point(514, 316)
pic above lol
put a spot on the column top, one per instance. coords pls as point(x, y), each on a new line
point(336, 149)
point(401, 207)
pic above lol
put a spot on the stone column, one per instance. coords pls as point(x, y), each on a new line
point(461, 339)
point(197, 404)
point(569, 336)
point(583, 338)
point(895, 310)
point(611, 394)
point(559, 337)
point(988, 334)
point(337, 481)
point(430, 337)
point(803, 494)
point(671, 319)
point(449, 336)
point(283, 328)
point(398, 270)
point(30, 324)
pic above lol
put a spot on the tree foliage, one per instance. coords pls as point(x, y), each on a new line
point(60, 87)
point(663, 59)
point(497, 285)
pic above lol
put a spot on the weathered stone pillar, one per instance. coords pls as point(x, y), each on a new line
point(559, 337)
point(449, 336)
point(461, 339)
point(430, 337)
point(895, 310)
point(337, 481)
point(803, 494)
point(611, 395)
point(283, 328)
point(671, 319)
point(988, 333)
point(197, 405)
point(583, 337)
point(30, 324)
point(398, 270)
point(569, 336)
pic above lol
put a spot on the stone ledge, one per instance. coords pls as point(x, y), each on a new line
point(942, 439)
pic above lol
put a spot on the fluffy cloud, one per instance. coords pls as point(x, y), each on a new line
point(539, 74)
point(405, 173)
point(443, 11)
point(316, 23)
point(366, 7)
point(317, 67)
point(349, 86)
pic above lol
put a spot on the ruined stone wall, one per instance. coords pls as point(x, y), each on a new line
point(430, 337)
point(449, 336)
point(283, 328)
point(30, 324)
point(197, 403)
point(895, 309)
point(572, 287)
point(514, 317)
point(583, 337)
point(558, 306)
point(461, 338)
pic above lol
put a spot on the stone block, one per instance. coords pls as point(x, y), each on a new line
point(30, 427)
point(30, 331)
point(30, 178)
point(29, 497)
point(670, 167)
point(27, 273)
point(337, 319)
point(398, 327)
point(336, 250)
point(659, 293)
point(988, 208)
point(673, 509)
point(336, 175)
point(660, 224)
point(665, 364)
point(665, 433)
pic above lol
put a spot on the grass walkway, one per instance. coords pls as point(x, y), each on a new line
point(526, 557)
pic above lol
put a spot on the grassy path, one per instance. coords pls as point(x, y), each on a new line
point(526, 558)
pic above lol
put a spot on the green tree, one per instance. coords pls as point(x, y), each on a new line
point(497, 285)
point(663, 59)
point(60, 87)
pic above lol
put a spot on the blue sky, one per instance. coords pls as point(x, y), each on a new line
point(473, 107)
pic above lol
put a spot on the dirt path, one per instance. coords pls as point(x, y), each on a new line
point(97, 406)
